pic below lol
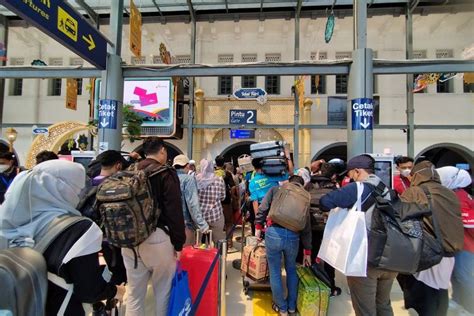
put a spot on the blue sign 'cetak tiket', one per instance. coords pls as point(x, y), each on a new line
point(249, 93)
point(60, 21)
point(362, 114)
point(242, 117)
point(108, 114)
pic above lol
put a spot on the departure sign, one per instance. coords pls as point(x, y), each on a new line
point(60, 21)
point(362, 114)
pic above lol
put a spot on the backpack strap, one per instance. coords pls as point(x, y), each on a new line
point(56, 227)
point(66, 286)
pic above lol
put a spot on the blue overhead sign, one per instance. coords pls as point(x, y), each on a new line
point(249, 93)
point(60, 21)
point(362, 114)
point(243, 117)
point(108, 114)
point(242, 133)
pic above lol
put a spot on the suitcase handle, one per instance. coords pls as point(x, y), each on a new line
point(207, 240)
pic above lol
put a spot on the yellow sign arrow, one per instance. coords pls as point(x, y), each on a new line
point(89, 40)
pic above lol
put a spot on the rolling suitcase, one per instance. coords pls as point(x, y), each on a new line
point(268, 149)
point(274, 166)
point(196, 262)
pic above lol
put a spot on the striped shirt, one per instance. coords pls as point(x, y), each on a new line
point(210, 200)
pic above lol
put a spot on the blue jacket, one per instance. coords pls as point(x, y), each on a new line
point(346, 196)
point(189, 195)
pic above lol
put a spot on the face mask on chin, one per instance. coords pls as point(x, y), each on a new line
point(4, 168)
point(405, 172)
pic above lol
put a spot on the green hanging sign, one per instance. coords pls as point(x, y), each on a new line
point(329, 28)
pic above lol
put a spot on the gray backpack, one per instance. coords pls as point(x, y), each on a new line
point(24, 276)
point(290, 207)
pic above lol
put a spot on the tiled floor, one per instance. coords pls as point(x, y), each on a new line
point(239, 304)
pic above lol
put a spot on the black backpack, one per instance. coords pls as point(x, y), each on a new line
point(397, 240)
point(318, 218)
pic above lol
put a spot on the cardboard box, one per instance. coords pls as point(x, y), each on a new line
point(254, 262)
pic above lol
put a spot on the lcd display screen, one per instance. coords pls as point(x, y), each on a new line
point(383, 170)
point(153, 99)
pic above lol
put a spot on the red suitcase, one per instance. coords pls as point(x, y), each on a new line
point(197, 262)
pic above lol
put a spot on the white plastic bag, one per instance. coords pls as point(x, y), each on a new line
point(344, 244)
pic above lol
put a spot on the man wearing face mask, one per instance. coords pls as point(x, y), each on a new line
point(8, 172)
point(401, 182)
point(370, 295)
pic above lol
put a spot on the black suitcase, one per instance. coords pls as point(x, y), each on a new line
point(24, 282)
point(268, 149)
point(274, 166)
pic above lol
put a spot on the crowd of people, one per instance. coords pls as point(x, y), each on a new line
point(211, 198)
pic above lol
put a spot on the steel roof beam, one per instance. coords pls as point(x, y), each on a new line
point(191, 10)
point(92, 14)
point(381, 67)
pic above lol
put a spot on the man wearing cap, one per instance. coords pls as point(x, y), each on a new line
point(189, 195)
point(370, 295)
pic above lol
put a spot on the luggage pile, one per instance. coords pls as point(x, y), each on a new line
point(273, 157)
point(313, 294)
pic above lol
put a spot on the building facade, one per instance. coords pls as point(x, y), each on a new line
point(446, 35)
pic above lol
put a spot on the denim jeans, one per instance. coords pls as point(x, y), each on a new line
point(463, 280)
point(282, 242)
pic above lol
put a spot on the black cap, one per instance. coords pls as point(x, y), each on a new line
point(361, 162)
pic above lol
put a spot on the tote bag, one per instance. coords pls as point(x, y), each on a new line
point(344, 244)
point(180, 296)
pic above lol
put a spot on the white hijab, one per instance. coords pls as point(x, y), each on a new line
point(37, 196)
point(454, 178)
point(207, 176)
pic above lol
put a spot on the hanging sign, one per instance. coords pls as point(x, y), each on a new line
point(108, 114)
point(135, 30)
point(329, 27)
point(362, 114)
point(59, 20)
point(71, 94)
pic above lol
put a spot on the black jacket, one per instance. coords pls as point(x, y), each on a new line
point(84, 272)
point(167, 191)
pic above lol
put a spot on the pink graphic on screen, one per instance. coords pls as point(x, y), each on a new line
point(145, 99)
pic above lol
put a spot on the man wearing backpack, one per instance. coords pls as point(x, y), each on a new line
point(282, 238)
point(370, 295)
point(157, 255)
point(427, 290)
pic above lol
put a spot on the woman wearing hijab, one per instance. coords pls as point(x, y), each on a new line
point(427, 291)
point(211, 191)
point(34, 199)
point(462, 279)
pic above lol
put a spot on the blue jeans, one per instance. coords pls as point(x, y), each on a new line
point(463, 280)
point(281, 241)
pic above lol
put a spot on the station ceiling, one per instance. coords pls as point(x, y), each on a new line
point(261, 9)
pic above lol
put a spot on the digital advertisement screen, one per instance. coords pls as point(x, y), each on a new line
point(152, 99)
point(383, 169)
